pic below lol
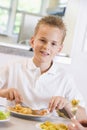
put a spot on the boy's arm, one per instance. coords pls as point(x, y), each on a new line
point(8, 93)
point(81, 113)
point(11, 94)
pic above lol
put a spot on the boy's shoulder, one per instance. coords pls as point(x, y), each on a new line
point(59, 67)
point(62, 70)
point(22, 62)
point(17, 63)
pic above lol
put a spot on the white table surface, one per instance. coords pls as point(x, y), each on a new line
point(22, 124)
point(18, 124)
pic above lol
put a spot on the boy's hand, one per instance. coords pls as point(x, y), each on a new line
point(83, 123)
point(11, 94)
point(57, 102)
point(75, 125)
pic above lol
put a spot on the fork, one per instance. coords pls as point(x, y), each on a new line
point(24, 105)
point(64, 113)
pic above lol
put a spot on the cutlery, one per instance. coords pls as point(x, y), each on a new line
point(24, 105)
point(64, 113)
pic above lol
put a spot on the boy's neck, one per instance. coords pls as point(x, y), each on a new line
point(44, 67)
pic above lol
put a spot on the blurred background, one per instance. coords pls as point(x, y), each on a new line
point(15, 13)
point(18, 18)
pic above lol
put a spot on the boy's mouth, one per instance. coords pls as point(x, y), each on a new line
point(44, 53)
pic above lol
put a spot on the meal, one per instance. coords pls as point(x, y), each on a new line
point(18, 108)
point(4, 115)
point(26, 110)
point(40, 112)
point(75, 102)
point(52, 126)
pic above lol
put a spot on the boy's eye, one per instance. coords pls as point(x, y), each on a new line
point(42, 40)
point(54, 44)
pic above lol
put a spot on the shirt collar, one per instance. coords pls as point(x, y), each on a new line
point(32, 66)
point(52, 69)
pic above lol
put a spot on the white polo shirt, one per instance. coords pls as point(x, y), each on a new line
point(37, 88)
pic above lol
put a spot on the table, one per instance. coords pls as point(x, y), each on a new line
point(18, 124)
point(22, 124)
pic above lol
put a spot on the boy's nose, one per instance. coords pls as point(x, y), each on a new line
point(47, 46)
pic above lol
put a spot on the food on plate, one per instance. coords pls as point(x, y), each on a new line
point(4, 115)
point(41, 112)
point(26, 110)
point(20, 109)
point(75, 102)
point(53, 126)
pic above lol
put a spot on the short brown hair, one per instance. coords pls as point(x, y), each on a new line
point(53, 21)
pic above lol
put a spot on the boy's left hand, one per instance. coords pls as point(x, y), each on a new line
point(57, 102)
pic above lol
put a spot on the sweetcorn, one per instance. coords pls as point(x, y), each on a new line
point(74, 102)
point(51, 126)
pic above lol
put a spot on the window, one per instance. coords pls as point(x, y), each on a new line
point(17, 23)
point(11, 13)
point(29, 6)
point(25, 6)
point(5, 7)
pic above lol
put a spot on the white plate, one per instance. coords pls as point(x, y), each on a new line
point(5, 120)
point(38, 126)
point(29, 116)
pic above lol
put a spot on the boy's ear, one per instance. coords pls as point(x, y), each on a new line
point(32, 42)
point(60, 48)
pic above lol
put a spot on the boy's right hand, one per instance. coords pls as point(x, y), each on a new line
point(11, 94)
point(75, 125)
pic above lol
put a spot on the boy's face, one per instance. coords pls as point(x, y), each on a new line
point(46, 43)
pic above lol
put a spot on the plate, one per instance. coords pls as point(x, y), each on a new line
point(28, 113)
point(29, 116)
point(61, 124)
point(5, 120)
point(38, 126)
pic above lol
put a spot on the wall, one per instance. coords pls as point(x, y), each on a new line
point(52, 3)
point(79, 58)
point(70, 19)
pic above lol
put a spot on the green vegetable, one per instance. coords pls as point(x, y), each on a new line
point(4, 115)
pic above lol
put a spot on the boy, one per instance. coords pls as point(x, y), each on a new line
point(39, 81)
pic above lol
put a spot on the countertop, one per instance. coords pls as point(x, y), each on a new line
point(24, 50)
